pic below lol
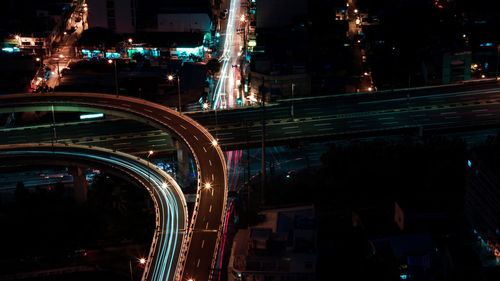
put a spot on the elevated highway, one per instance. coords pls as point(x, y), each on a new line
point(198, 255)
point(451, 109)
point(170, 206)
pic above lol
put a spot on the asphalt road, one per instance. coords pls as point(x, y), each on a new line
point(170, 205)
point(203, 235)
point(442, 109)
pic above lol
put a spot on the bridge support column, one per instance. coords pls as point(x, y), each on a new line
point(79, 184)
point(182, 165)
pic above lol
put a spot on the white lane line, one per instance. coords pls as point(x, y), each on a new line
point(210, 209)
point(386, 118)
point(293, 132)
point(357, 125)
point(212, 177)
point(322, 124)
point(206, 226)
point(166, 117)
point(155, 140)
point(198, 263)
point(183, 127)
point(121, 143)
point(210, 162)
point(452, 117)
point(126, 104)
point(390, 123)
point(212, 192)
point(204, 149)
point(145, 109)
point(195, 137)
point(449, 112)
point(417, 115)
point(290, 127)
point(325, 129)
point(202, 243)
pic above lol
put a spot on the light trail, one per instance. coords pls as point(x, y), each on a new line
point(170, 206)
point(225, 83)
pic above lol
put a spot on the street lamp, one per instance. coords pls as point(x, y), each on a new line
point(171, 78)
point(58, 67)
point(130, 40)
point(110, 61)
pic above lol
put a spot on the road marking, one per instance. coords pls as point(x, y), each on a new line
point(325, 129)
point(210, 209)
point(210, 162)
point(212, 177)
point(195, 137)
point(293, 132)
point(450, 112)
point(452, 117)
point(166, 117)
point(198, 263)
point(322, 124)
point(212, 192)
point(386, 118)
point(290, 127)
point(202, 243)
point(145, 109)
point(390, 123)
point(126, 104)
point(478, 110)
point(204, 149)
point(183, 127)
point(206, 226)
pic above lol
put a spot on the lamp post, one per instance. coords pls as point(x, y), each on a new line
point(291, 107)
point(171, 78)
point(110, 61)
point(58, 67)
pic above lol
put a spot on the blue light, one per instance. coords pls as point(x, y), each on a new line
point(488, 44)
point(91, 116)
point(403, 276)
point(112, 55)
point(10, 49)
point(470, 165)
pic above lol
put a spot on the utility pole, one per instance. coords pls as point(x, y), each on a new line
point(498, 50)
point(116, 80)
point(291, 108)
point(263, 148)
point(179, 92)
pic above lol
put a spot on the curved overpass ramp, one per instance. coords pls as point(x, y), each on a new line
point(170, 206)
point(198, 255)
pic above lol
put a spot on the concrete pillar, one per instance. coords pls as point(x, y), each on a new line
point(79, 184)
point(182, 164)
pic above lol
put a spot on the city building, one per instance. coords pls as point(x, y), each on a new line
point(283, 247)
point(482, 203)
point(116, 15)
